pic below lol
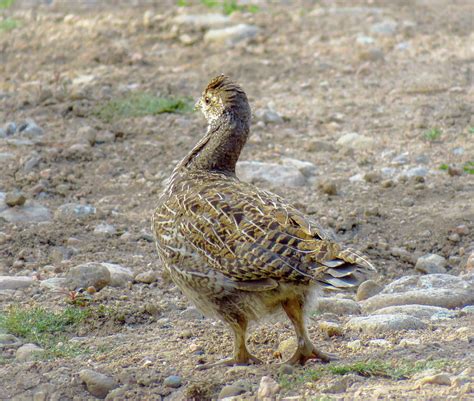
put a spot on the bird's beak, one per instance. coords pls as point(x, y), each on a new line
point(197, 106)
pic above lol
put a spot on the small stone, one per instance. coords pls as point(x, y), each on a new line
point(268, 389)
point(105, 229)
point(470, 263)
point(440, 378)
point(387, 27)
point(97, 383)
point(400, 159)
point(380, 342)
point(147, 277)
point(70, 211)
point(231, 391)
point(371, 54)
point(372, 177)
point(377, 324)
point(15, 198)
point(330, 328)
point(173, 381)
point(354, 140)
point(308, 169)
point(407, 202)
point(328, 187)
point(287, 347)
point(454, 171)
point(30, 129)
point(28, 352)
point(8, 340)
point(416, 172)
point(354, 345)
point(286, 369)
point(338, 306)
point(387, 183)
point(270, 173)
point(87, 134)
point(231, 35)
point(269, 116)
point(202, 20)
point(418, 311)
point(32, 162)
point(406, 342)
point(88, 274)
point(15, 282)
point(192, 313)
point(462, 230)
point(54, 283)
point(319, 146)
point(104, 137)
point(367, 289)
point(431, 263)
point(120, 276)
point(10, 128)
point(454, 237)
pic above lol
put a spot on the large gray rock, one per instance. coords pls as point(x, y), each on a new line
point(30, 212)
point(28, 352)
point(418, 311)
point(338, 306)
point(97, 383)
point(306, 168)
point(231, 35)
point(377, 324)
point(431, 263)
point(120, 276)
point(71, 211)
point(15, 282)
point(88, 274)
point(271, 173)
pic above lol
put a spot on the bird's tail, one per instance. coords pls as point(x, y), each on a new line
point(347, 270)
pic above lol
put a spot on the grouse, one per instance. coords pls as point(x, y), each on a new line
point(238, 252)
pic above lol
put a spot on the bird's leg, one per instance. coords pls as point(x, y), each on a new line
point(306, 350)
point(241, 354)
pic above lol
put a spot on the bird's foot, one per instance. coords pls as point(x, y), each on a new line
point(248, 360)
point(302, 355)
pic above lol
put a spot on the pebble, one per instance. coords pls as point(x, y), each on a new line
point(462, 230)
point(87, 134)
point(267, 389)
point(338, 306)
point(365, 40)
point(387, 27)
point(416, 172)
point(54, 283)
point(98, 384)
point(306, 168)
point(380, 342)
point(5, 156)
point(70, 211)
point(319, 146)
point(173, 381)
point(368, 289)
point(202, 20)
point(231, 390)
point(15, 282)
point(271, 173)
point(431, 263)
point(328, 187)
point(376, 324)
point(470, 263)
point(387, 183)
point(8, 340)
point(440, 378)
point(91, 274)
point(105, 229)
point(422, 159)
point(28, 352)
point(353, 140)
point(192, 313)
point(30, 212)
point(400, 159)
point(330, 328)
point(372, 177)
point(269, 116)
point(287, 347)
point(120, 276)
point(354, 345)
point(32, 162)
point(372, 54)
point(10, 128)
point(147, 277)
point(231, 35)
point(15, 198)
point(418, 311)
point(30, 129)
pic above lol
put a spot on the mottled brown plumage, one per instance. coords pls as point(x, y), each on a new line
point(238, 252)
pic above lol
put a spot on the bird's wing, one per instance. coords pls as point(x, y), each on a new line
point(248, 235)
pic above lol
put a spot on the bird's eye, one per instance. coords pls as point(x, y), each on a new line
point(207, 100)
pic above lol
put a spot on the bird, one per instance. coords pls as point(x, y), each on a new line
point(238, 252)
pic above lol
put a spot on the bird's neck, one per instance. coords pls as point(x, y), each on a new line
point(220, 148)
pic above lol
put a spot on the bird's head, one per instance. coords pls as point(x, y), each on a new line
point(223, 98)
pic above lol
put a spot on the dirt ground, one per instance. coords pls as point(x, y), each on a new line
point(321, 66)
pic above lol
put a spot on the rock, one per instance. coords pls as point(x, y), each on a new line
point(15, 282)
point(269, 116)
point(353, 140)
point(373, 177)
point(10, 128)
point(5, 156)
point(376, 324)
point(32, 162)
point(104, 137)
point(54, 283)
point(173, 381)
point(270, 173)
point(97, 383)
point(319, 146)
point(367, 289)
point(15, 198)
point(87, 134)
point(328, 187)
point(338, 306)
point(119, 276)
point(401, 159)
point(330, 328)
point(335, 386)
point(147, 277)
point(470, 263)
point(8, 340)
point(308, 169)
point(365, 40)
point(268, 389)
point(462, 230)
point(70, 211)
point(431, 263)
point(203, 20)
point(416, 172)
point(440, 378)
point(105, 229)
point(231, 35)
point(418, 311)
point(90, 274)
point(28, 352)
point(432, 281)
point(354, 345)
point(371, 54)
point(30, 212)
point(192, 313)
point(231, 391)
point(30, 129)
point(287, 347)
point(386, 28)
